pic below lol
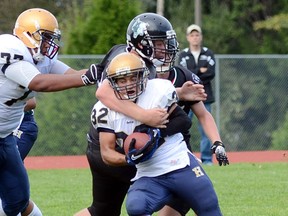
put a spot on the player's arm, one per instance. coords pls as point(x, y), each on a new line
point(179, 122)
point(30, 104)
point(191, 92)
point(107, 148)
point(153, 117)
point(73, 71)
point(210, 128)
point(55, 82)
point(207, 121)
point(60, 67)
point(28, 76)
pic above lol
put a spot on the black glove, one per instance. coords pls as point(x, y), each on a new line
point(136, 156)
point(219, 150)
point(92, 75)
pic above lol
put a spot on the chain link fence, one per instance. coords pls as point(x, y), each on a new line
point(250, 108)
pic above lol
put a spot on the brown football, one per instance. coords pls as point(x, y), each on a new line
point(141, 140)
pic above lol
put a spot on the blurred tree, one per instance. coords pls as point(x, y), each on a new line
point(238, 32)
point(99, 25)
point(228, 25)
point(232, 27)
point(11, 9)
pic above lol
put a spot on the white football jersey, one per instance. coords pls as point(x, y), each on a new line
point(172, 155)
point(14, 81)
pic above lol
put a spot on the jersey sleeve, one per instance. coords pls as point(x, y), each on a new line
point(21, 72)
point(159, 93)
point(189, 75)
point(100, 118)
point(169, 95)
point(13, 50)
point(16, 61)
point(58, 67)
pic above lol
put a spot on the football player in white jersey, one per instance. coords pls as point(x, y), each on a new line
point(110, 184)
point(26, 58)
point(165, 166)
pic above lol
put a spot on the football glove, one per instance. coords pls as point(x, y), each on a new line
point(136, 156)
point(219, 150)
point(92, 75)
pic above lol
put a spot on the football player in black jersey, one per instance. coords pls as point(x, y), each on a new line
point(110, 184)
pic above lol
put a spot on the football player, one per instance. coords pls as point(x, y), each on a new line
point(165, 166)
point(110, 184)
point(26, 59)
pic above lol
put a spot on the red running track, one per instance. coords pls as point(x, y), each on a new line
point(78, 162)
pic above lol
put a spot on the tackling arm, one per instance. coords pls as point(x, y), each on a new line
point(153, 117)
point(179, 122)
point(207, 121)
point(210, 128)
point(191, 92)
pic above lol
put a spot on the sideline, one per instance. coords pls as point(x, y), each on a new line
point(80, 161)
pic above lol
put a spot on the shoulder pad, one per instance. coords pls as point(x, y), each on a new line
point(15, 49)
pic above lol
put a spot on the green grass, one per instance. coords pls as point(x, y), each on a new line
point(243, 189)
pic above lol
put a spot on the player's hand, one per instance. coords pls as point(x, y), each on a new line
point(136, 156)
point(92, 75)
point(192, 92)
point(219, 149)
point(155, 117)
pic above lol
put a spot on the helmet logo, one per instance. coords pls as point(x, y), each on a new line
point(139, 28)
point(170, 34)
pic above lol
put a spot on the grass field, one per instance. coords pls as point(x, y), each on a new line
point(259, 189)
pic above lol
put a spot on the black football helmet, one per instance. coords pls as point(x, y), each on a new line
point(147, 29)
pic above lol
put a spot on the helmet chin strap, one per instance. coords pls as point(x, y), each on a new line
point(37, 56)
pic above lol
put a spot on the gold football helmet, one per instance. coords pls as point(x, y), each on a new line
point(127, 65)
point(38, 28)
